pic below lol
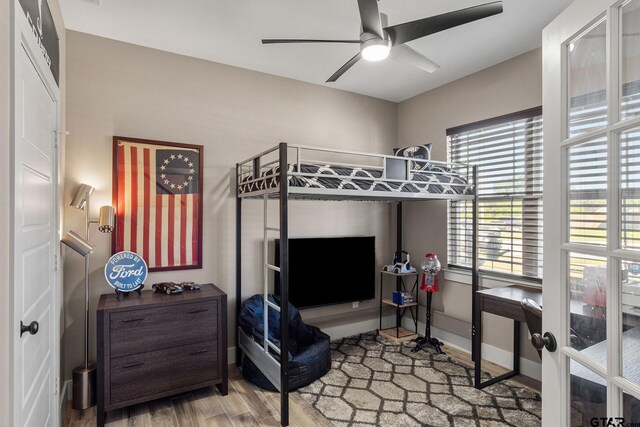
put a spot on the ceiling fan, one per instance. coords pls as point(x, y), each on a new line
point(379, 41)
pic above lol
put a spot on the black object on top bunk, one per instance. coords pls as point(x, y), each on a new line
point(256, 178)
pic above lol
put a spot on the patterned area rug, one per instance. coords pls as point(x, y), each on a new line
point(374, 382)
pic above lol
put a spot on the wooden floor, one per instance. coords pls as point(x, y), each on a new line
point(245, 405)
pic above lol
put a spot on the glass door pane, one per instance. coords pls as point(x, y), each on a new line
point(630, 301)
point(630, 60)
point(588, 192)
point(587, 81)
point(587, 304)
point(588, 395)
point(630, 189)
point(630, 410)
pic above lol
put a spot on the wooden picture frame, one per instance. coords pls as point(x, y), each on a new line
point(157, 195)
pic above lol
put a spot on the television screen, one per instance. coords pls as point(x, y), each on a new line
point(332, 270)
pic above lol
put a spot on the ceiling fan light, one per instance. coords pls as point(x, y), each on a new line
point(375, 49)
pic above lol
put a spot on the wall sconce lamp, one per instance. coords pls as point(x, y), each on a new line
point(84, 377)
point(106, 222)
point(77, 243)
point(83, 193)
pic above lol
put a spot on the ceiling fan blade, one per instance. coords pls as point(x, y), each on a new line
point(274, 41)
point(344, 68)
point(370, 17)
point(406, 55)
point(403, 33)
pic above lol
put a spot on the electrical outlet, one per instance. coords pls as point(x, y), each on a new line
point(355, 304)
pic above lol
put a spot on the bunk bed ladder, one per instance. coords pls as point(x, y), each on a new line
point(266, 344)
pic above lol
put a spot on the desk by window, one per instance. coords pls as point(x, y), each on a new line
point(505, 302)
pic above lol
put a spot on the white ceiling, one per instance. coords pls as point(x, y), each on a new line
point(229, 32)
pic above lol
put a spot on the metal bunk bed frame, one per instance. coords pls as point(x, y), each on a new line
point(250, 170)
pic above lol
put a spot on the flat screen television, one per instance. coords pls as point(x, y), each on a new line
point(331, 270)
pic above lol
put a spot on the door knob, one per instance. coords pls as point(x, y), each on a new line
point(32, 328)
point(547, 341)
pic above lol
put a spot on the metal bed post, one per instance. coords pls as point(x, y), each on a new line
point(399, 227)
point(284, 286)
point(476, 329)
point(238, 258)
point(399, 253)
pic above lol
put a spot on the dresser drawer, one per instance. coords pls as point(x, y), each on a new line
point(151, 329)
point(134, 377)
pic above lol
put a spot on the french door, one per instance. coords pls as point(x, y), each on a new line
point(591, 106)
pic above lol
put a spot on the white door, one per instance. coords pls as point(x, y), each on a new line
point(35, 362)
point(591, 287)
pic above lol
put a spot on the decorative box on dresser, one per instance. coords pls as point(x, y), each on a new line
point(154, 345)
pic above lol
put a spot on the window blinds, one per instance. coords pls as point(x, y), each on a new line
point(508, 152)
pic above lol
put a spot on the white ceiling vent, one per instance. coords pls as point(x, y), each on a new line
point(95, 2)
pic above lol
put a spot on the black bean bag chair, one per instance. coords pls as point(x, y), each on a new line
point(309, 353)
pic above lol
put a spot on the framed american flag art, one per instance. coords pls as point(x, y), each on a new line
point(157, 193)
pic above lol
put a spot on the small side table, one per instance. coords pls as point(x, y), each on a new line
point(397, 333)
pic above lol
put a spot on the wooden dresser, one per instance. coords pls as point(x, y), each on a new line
point(155, 345)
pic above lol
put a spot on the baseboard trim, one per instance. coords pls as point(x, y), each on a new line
point(351, 329)
point(231, 356)
point(489, 353)
point(65, 396)
point(67, 390)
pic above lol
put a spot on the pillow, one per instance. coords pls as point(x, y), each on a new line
point(415, 152)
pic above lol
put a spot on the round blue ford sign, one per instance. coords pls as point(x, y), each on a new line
point(125, 271)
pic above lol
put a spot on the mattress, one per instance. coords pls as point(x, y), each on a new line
point(437, 180)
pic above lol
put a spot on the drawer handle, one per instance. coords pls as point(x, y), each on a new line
point(131, 365)
point(133, 320)
point(201, 310)
point(200, 351)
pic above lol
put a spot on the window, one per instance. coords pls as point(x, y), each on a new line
point(508, 153)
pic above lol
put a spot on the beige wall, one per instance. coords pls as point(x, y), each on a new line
point(508, 87)
point(6, 165)
point(121, 89)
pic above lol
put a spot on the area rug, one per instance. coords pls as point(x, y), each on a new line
point(373, 382)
